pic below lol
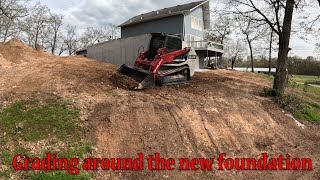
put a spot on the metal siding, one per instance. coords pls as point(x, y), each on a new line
point(121, 51)
point(172, 25)
point(198, 13)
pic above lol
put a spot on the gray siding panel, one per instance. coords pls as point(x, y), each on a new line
point(121, 51)
point(198, 13)
point(172, 25)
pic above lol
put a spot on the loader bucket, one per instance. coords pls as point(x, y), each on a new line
point(143, 77)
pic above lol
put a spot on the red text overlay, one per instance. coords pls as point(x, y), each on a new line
point(157, 163)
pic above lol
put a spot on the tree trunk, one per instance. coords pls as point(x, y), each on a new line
point(232, 63)
point(251, 56)
point(233, 60)
point(53, 49)
point(5, 36)
point(6, 33)
point(284, 41)
point(36, 40)
point(270, 52)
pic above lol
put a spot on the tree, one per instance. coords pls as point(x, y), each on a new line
point(252, 32)
point(271, 41)
point(71, 40)
point(13, 8)
point(11, 11)
point(54, 26)
point(35, 25)
point(94, 35)
point(113, 31)
point(234, 50)
point(317, 49)
point(61, 45)
point(278, 15)
point(221, 29)
point(270, 50)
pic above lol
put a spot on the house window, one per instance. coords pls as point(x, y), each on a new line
point(196, 23)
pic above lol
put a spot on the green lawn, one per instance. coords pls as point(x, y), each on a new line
point(49, 120)
point(303, 79)
point(302, 97)
point(309, 96)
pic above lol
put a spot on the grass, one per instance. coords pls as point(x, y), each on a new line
point(270, 77)
point(309, 97)
point(302, 100)
point(47, 119)
point(303, 79)
point(31, 122)
point(76, 152)
point(270, 92)
point(58, 175)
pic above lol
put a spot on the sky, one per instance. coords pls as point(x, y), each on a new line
point(84, 13)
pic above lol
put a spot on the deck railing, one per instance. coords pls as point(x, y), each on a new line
point(205, 44)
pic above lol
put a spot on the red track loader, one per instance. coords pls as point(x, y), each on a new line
point(165, 63)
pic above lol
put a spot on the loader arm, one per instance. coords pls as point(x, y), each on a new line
point(163, 57)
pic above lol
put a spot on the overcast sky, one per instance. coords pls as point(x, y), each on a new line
point(85, 13)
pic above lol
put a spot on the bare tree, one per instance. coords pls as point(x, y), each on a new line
point(35, 25)
point(270, 51)
point(11, 11)
point(54, 26)
point(94, 35)
point(61, 46)
point(6, 25)
point(71, 40)
point(252, 32)
point(272, 39)
point(234, 50)
point(317, 50)
point(13, 8)
point(278, 15)
point(113, 31)
point(220, 29)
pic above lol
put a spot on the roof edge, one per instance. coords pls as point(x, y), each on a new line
point(194, 8)
point(149, 19)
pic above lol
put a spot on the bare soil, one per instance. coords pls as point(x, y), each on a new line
point(122, 81)
point(216, 112)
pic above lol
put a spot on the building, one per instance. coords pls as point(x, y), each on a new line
point(189, 21)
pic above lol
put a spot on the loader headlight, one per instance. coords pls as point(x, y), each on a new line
point(179, 60)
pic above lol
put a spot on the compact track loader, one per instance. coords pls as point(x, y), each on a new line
point(164, 63)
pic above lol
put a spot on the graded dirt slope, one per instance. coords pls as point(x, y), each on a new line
point(216, 112)
point(4, 63)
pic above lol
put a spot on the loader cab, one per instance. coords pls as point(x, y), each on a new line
point(158, 40)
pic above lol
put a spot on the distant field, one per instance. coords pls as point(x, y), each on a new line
point(303, 79)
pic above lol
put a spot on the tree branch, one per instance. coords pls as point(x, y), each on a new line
point(255, 9)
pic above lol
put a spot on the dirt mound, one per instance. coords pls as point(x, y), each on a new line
point(216, 112)
point(18, 52)
point(4, 63)
point(16, 42)
point(122, 81)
